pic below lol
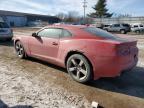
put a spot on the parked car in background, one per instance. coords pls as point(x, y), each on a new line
point(138, 28)
point(106, 26)
point(121, 28)
point(6, 33)
point(87, 52)
point(37, 23)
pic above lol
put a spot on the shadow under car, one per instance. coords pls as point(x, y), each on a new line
point(129, 83)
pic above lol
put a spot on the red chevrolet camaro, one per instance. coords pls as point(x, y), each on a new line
point(87, 52)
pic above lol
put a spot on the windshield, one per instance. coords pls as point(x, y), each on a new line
point(101, 33)
point(3, 25)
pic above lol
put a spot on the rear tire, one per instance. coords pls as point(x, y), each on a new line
point(123, 31)
point(20, 50)
point(79, 68)
point(137, 32)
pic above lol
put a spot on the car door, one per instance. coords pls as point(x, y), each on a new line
point(116, 27)
point(46, 43)
point(112, 28)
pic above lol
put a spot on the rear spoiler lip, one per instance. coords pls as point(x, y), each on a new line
point(128, 43)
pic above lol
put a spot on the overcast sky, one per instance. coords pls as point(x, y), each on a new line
point(52, 7)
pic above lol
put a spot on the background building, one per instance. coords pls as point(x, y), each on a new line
point(22, 19)
point(1, 19)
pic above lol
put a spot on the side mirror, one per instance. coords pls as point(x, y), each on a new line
point(34, 35)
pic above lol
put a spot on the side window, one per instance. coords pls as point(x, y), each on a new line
point(50, 33)
point(141, 26)
point(42, 33)
point(66, 33)
point(126, 25)
point(116, 25)
point(135, 26)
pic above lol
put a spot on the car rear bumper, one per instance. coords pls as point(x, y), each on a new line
point(113, 66)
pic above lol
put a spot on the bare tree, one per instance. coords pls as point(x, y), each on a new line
point(61, 16)
point(124, 15)
point(70, 17)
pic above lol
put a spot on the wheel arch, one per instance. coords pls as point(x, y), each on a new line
point(70, 53)
point(16, 41)
point(122, 29)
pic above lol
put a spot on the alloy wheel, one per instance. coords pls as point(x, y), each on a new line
point(19, 50)
point(78, 69)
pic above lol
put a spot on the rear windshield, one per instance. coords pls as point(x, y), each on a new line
point(3, 25)
point(106, 25)
point(135, 26)
point(101, 33)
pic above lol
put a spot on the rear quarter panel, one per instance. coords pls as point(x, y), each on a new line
point(91, 48)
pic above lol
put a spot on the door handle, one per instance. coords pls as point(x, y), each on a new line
point(55, 43)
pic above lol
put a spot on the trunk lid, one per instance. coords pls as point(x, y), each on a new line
point(127, 48)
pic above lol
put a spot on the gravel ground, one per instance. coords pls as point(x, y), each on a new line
point(32, 83)
point(18, 86)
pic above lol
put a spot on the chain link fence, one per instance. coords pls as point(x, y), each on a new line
point(128, 20)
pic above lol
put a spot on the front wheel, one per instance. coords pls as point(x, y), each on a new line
point(20, 50)
point(79, 68)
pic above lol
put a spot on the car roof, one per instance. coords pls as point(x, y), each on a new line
point(121, 23)
point(137, 24)
point(67, 26)
point(74, 29)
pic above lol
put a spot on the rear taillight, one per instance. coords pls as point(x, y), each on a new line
point(123, 51)
point(127, 50)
